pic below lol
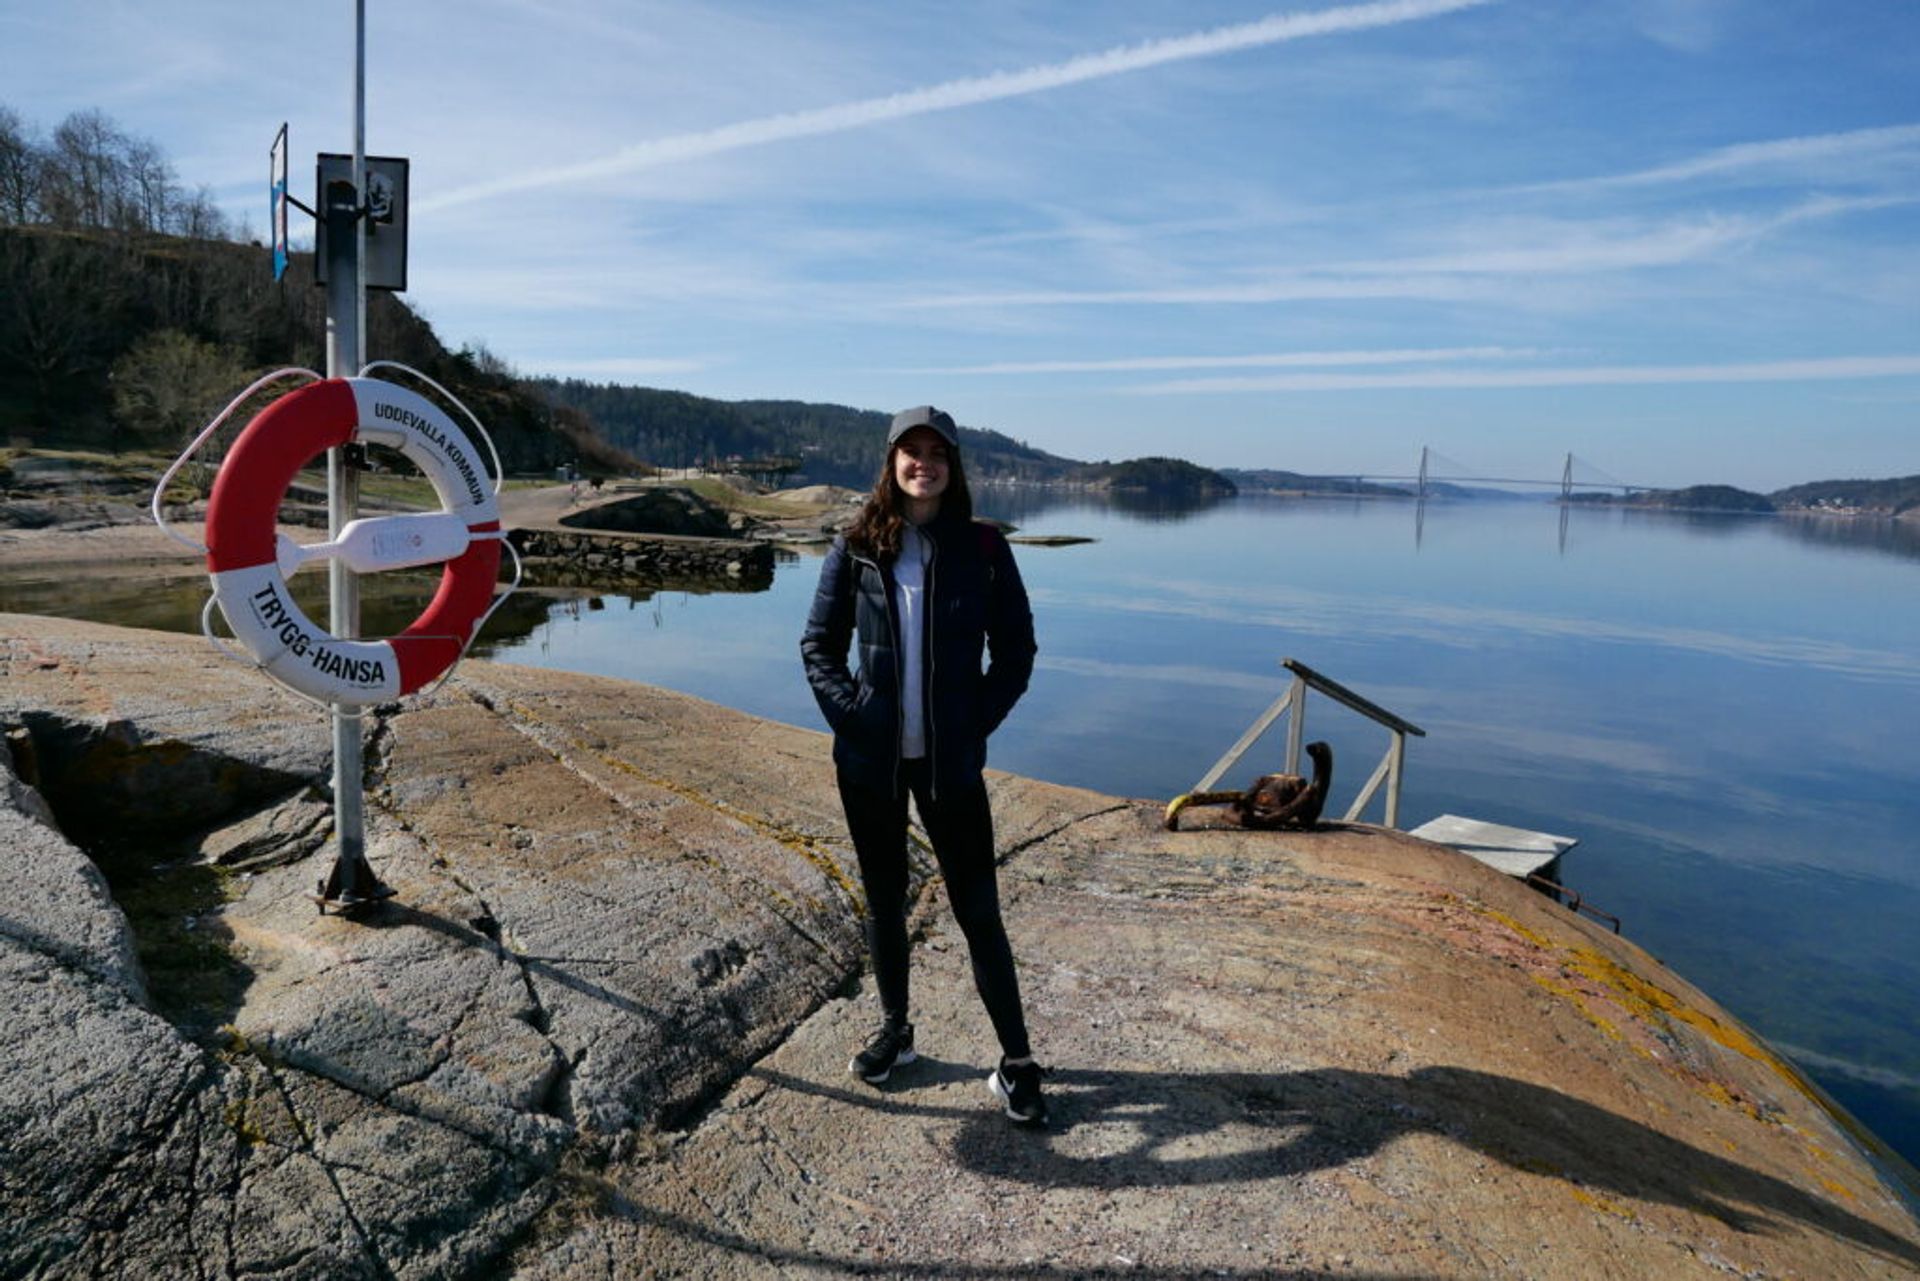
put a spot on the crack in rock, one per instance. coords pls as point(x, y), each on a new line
point(301, 1128)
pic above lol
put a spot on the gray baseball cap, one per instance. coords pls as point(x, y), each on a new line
point(924, 416)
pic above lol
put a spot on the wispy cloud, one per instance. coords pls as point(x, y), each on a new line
point(1780, 153)
point(1558, 248)
point(1274, 360)
point(1692, 26)
point(1283, 288)
point(625, 367)
point(1568, 247)
point(1815, 370)
point(971, 91)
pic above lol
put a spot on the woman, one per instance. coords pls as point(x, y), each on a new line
point(927, 590)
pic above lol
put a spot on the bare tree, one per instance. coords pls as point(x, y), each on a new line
point(20, 165)
point(92, 174)
point(84, 178)
point(199, 218)
point(151, 185)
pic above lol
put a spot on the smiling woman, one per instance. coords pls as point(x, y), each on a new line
point(926, 590)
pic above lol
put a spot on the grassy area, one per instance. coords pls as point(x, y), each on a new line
point(396, 485)
point(393, 489)
point(727, 498)
point(390, 489)
point(82, 473)
point(90, 457)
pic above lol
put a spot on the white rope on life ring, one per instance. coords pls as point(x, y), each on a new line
point(249, 563)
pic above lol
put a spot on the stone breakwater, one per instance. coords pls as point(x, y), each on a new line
point(609, 558)
point(603, 1030)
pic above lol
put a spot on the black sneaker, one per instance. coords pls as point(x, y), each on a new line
point(889, 1047)
point(1019, 1089)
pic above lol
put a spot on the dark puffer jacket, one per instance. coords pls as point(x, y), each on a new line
point(976, 605)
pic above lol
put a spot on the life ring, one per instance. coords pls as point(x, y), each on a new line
point(249, 564)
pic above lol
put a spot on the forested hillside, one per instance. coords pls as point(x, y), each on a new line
point(131, 315)
point(831, 444)
point(1268, 480)
point(1705, 498)
point(1894, 496)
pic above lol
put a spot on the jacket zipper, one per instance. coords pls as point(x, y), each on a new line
point(928, 650)
point(899, 675)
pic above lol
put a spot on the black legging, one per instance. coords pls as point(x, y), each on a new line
point(960, 825)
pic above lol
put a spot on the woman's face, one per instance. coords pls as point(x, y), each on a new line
point(920, 464)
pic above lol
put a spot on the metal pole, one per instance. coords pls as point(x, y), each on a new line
point(1396, 765)
point(352, 879)
point(1297, 726)
point(1239, 749)
point(359, 224)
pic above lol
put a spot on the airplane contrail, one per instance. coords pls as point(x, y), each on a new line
point(1275, 29)
point(1309, 359)
point(1813, 370)
point(1810, 148)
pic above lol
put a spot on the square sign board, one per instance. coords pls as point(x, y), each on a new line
point(386, 264)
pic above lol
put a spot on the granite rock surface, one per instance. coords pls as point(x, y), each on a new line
point(602, 1030)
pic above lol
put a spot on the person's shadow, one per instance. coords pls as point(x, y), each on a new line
point(1316, 1119)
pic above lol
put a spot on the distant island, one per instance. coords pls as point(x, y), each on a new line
point(1693, 498)
point(1274, 481)
point(1898, 497)
point(1169, 477)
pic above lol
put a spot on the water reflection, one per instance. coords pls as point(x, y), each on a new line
point(1026, 504)
point(389, 602)
point(1895, 537)
point(1023, 504)
point(1855, 533)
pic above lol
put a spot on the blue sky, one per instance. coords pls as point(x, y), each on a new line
point(1674, 237)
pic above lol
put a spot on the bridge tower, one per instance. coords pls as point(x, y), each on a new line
point(1423, 473)
point(1566, 481)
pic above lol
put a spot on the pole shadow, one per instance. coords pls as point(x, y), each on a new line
point(483, 933)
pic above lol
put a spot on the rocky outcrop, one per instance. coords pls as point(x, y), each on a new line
point(581, 952)
point(636, 539)
point(602, 1031)
point(653, 510)
point(610, 559)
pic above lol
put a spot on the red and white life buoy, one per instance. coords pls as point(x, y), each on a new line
point(249, 563)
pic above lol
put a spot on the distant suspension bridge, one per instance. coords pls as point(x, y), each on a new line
point(1437, 469)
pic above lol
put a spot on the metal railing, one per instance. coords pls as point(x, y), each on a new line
point(1392, 766)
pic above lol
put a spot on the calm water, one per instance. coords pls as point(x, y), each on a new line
point(1722, 710)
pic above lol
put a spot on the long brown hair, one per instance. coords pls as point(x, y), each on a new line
point(876, 530)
